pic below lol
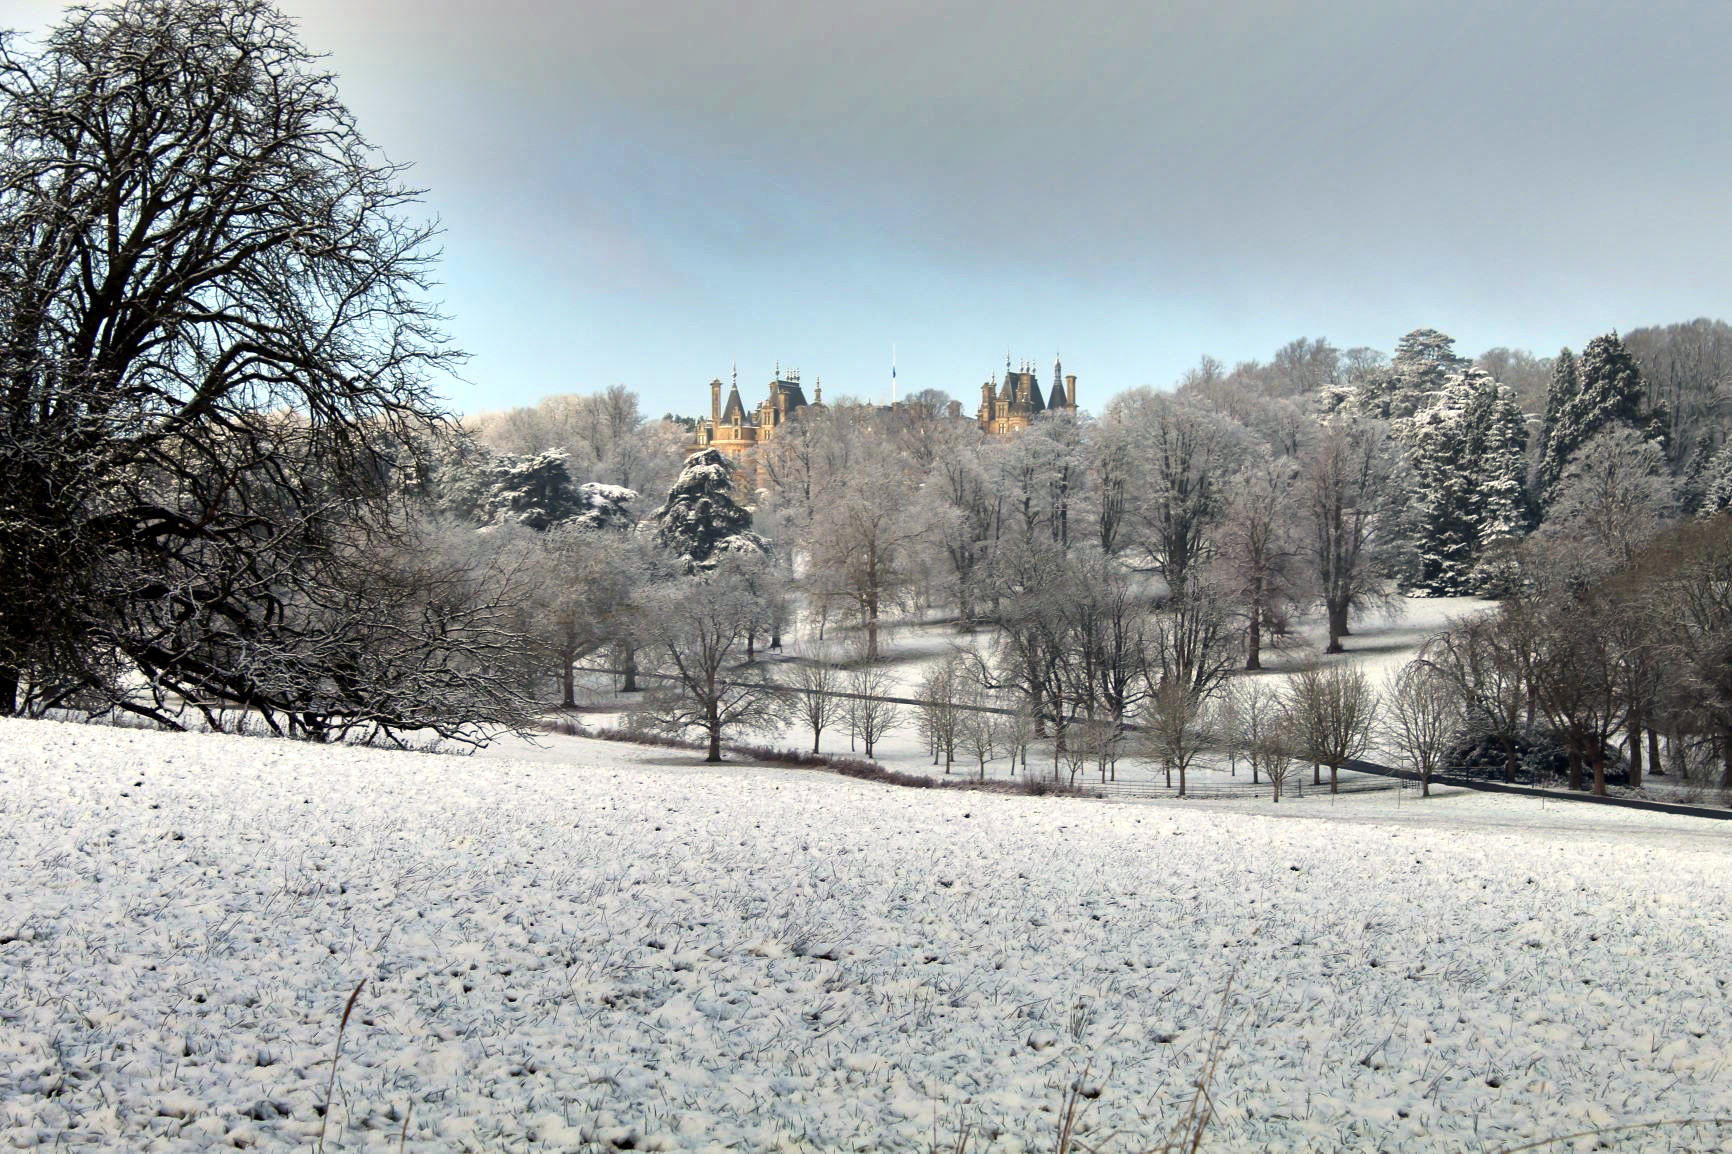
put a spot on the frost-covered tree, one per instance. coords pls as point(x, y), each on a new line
point(1424, 361)
point(943, 690)
point(217, 356)
point(1422, 713)
point(814, 681)
point(1608, 392)
point(1184, 457)
point(1333, 711)
point(695, 635)
point(1260, 548)
point(1467, 461)
point(870, 713)
point(700, 522)
point(863, 548)
point(1615, 494)
point(1352, 500)
point(587, 595)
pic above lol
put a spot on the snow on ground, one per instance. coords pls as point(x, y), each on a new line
point(613, 946)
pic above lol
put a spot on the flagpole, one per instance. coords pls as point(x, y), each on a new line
point(893, 375)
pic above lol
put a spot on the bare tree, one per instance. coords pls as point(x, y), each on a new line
point(870, 715)
point(939, 716)
point(1195, 640)
point(982, 727)
point(1251, 713)
point(1615, 493)
point(217, 357)
point(1489, 660)
point(1018, 735)
point(814, 681)
point(862, 549)
point(1185, 454)
point(1333, 709)
point(588, 584)
point(1178, 727)
point(1422, 714)
point(697, 631)
point(1350, 494)
point(1274, 752)
point(1260, 548)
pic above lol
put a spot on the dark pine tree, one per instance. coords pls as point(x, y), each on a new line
point(700, 520)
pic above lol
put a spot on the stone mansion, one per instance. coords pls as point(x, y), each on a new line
point(1004, 407)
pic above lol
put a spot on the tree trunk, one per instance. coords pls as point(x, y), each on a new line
point(714, 721)
point(1337, 627)
point(816, 731)
point(1726, 752)
point(1181, 779)
point(1254, 639)
point(1334, 782)
point(567, 676)
point(1598, 757)
point(1575, 763)
point(1424, 781)
point(1316, 773)
point(1654, 766)
point(872, 607)
point(629, 662)
point(8, 691)
point(1509, 760)
point(1635, 754)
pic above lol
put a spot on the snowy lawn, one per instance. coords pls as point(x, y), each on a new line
point(599, 946)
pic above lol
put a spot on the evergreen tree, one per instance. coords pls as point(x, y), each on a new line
point(1467, 450)
point(1438, 442)
point(700, 520)
point(1566, 385)
point(1424, 362)
point(1608, 393)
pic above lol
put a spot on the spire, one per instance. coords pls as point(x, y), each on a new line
point(1056, 399)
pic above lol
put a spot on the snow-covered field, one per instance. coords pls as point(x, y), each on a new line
point(592, 946)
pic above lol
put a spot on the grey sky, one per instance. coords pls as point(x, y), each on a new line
point(641, 193)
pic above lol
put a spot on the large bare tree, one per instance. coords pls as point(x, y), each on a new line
point(1351, 495)
point(216, 356)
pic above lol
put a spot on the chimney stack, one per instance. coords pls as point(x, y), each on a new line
point(1070, 391)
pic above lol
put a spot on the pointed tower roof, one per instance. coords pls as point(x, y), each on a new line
point(1056, 399)
point(735, 409)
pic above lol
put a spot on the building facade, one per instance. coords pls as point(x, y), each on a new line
point(736, 430)
point(1004, 408)
point(1017, 402)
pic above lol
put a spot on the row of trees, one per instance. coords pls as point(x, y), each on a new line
point(224, 479)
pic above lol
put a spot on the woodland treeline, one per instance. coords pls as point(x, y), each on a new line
point(1098, 567)
point(227, 484)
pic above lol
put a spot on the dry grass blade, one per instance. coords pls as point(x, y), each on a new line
point(403, 1135)
point(331, 1083)
point(1601, 1132)
point(1186, 1136)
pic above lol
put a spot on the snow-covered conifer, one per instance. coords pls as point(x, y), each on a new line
point(1467, 451)
point(700, 520)
point(1609, 393)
